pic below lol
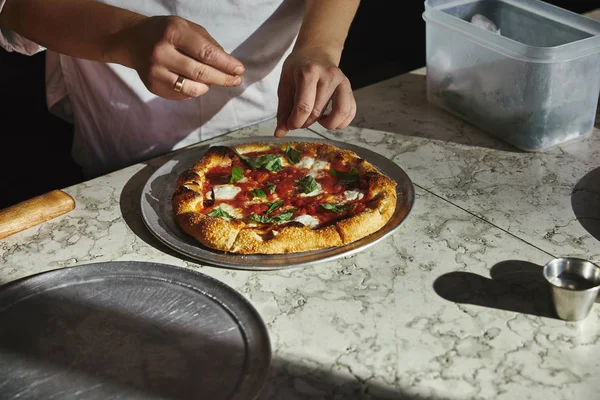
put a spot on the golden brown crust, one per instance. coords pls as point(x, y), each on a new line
point(368, 221)
point(215, 157)
point(239, 237)
point(213, 232)
point(287, 239)
point(381, 207)
point(360, 225)
point(257, 146)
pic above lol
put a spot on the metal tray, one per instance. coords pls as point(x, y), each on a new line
point(157, 212)
point(129, 330)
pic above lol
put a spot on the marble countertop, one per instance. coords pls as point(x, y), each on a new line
point(451, 306)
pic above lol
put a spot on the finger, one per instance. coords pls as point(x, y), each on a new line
point(281, 130)
point(350, 117)
point(165, 86)
point(187, 66)
point(284, 109)
point(342, 104)
point(197, 43)
point(324, 92)
point(304, 100)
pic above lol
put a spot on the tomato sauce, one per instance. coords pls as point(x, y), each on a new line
point(287, 189)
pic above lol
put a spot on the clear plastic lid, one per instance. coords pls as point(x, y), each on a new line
point(531, 30)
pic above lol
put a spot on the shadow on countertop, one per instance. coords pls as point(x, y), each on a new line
point(585, 201)
point(515, 285)
point(290, 381)
point(129, 202)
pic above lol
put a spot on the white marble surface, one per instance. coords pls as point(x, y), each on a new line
point(448, 307)
point(549, 199)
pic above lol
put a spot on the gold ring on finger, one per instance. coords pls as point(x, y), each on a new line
point(179, 84)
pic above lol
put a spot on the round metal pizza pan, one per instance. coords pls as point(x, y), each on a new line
point(129, 330)
point(157, 212)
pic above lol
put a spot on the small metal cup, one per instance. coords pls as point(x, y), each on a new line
point(575, 284)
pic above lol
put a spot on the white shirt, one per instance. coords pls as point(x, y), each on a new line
point(117, 121)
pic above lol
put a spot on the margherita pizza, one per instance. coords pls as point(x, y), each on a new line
point(274, 198)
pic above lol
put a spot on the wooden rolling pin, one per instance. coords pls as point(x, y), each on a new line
point(34, 211)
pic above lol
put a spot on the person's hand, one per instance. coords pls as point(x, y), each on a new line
point(162, 49)
point(309, 81)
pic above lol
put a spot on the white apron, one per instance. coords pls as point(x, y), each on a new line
point(118, 122)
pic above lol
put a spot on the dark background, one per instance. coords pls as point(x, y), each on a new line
point(35, 146)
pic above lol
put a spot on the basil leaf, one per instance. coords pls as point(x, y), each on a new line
point(279, 218)
point(219, 212)
point(255, 163)
point(307, 184)
point(274, 164)
point(284, 216)
point(338, 208)
point(292, 154)
point(243, 157)
point(350, 177)
point(252, 162)
point(268, 161)
point(237, 173)
point(273, 206)
point(263, 219)
point(259, 193)
point(345, 177)
point(271, 187)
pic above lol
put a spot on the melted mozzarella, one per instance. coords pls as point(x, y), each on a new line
point(318, 168)
point(307, 220)
point(320, 164)
point(351, 195)
point(315, 192)
point(234, 212)
point(224, 192)
point(305, 162)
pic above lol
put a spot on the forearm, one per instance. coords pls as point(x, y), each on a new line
point(325, 25)
point(80, 28)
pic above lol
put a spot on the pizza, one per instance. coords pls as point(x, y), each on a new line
point(275, 198)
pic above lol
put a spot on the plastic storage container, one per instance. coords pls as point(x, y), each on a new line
point(534, 85)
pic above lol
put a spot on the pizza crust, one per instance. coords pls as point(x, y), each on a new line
point(212, 232)
point(286, 239)
point(379, 211)
point(239, 237)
